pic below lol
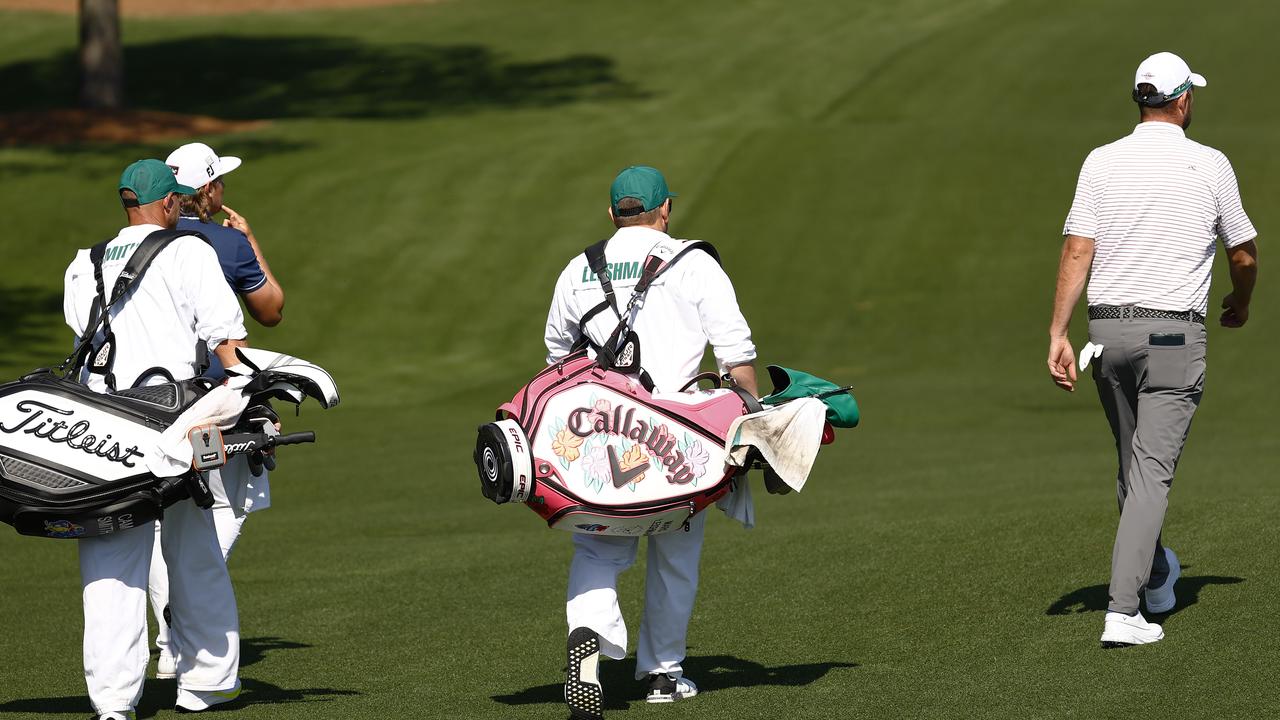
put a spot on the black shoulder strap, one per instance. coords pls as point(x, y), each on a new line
point(654, 266)
point(596, 260)
point(100, 314)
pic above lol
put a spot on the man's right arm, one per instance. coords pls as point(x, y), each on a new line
point(218, 319)
point(722, 321)
point(1239, 238)
point(1244, 274)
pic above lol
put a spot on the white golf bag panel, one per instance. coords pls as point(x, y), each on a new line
point(603, 455)
point(617, 452)
point(76, 463)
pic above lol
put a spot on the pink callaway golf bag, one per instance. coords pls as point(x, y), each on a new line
point(591, 448)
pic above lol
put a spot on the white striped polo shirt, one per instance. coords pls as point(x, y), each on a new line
point(1154, 203)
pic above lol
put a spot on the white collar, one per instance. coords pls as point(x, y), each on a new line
point(1159, 126)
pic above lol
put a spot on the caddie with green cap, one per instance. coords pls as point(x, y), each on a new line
point(148, 181)
point(638, 183)
point(691, 305)
point(176, 301)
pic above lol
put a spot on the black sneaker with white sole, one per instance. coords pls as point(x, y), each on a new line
point(665, 688)
point(582, 691)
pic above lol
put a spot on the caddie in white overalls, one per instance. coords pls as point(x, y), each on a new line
point(687, 307)
point(179, 300)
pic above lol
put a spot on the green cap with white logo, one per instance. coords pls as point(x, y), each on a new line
point(643, 183)
point(151, 180)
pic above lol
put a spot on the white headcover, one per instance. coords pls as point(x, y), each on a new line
point(314, 380)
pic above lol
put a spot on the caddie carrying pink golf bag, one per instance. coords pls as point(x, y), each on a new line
point(591, 448)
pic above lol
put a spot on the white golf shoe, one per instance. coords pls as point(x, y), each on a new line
point(665, 689)
point(1123, 630)
point(190, 701)
point(1161, 599)
point(166, 667)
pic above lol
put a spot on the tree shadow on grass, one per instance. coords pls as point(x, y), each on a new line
point(711, 672)
point(31, 325)
point(242, 78)
point(52, 160)
point(1094, 598)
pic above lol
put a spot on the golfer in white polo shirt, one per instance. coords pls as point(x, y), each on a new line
point(1149, 210)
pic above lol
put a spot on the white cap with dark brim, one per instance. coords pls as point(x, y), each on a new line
point(1168, 73)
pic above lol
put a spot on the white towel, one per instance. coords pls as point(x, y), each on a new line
point(738, 505)
point(787, 435)
point(221, 406)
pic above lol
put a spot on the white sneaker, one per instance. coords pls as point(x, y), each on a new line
point(665, 689)
point(1161, 599)
point(166, 667)
point(1124, 630)
point(199, 700)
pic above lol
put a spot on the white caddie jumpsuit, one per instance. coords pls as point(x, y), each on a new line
point(687, 307)
point(180, 299)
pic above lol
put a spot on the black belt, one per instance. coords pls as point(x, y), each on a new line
point(1121, 312)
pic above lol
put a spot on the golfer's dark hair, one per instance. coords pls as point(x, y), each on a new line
point(625, 213)
point(1145, 89)
point(200, 205)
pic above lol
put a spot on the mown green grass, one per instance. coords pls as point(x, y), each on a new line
point(886, 182)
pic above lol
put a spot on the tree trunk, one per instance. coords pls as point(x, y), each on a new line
point(101, 57)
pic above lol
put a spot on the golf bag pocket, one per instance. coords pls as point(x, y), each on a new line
point(1167, 361)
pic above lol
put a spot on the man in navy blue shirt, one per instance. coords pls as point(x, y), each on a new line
point(236, 491)
point(243, 264)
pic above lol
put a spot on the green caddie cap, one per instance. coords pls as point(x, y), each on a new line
point(788, 384)
point(641, 182)
point(151, 180)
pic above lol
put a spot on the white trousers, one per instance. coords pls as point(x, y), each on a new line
point(670, 586)
point(227, 525)
point(205, 635)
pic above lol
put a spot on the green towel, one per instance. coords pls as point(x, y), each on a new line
point(788, 384)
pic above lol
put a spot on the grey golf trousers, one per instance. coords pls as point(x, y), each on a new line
point(1150, 378)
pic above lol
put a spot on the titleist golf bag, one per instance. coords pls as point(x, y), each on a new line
point(591, 448)
point(77, 463)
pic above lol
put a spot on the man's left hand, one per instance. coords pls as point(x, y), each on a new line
point(1062, 363)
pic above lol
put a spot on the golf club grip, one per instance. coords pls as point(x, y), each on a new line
point(294, 438)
